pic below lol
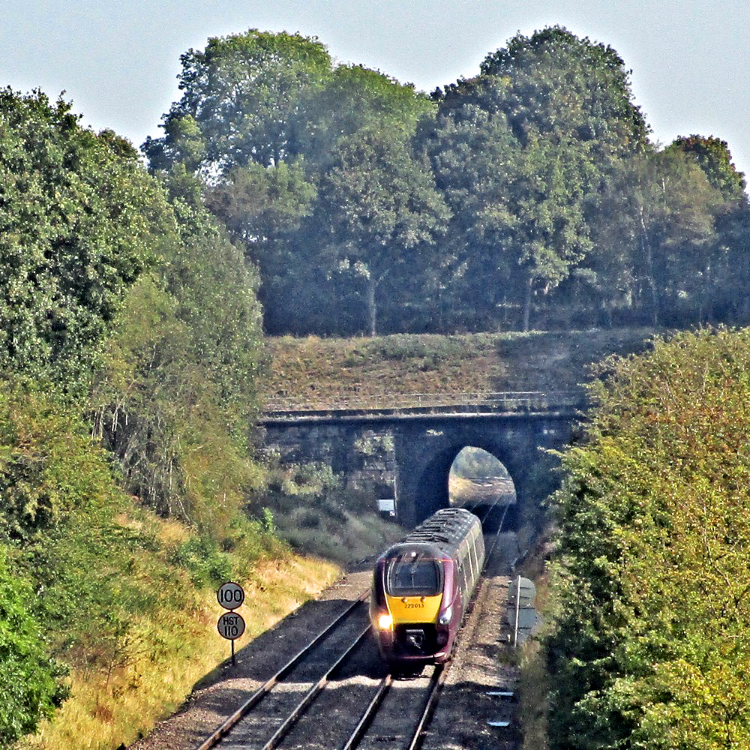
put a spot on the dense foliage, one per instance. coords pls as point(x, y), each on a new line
point(651, 647)
point(126, 314)
point(74, 234)
point(526, 196)
point(29, 687)
point(176, 390)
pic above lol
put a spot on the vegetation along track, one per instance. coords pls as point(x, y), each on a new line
point(336, 692)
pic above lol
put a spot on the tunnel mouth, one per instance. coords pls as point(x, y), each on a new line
point(479, 481)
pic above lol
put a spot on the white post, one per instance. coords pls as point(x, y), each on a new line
point(518, 607)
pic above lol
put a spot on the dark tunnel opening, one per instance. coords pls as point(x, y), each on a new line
point(479, 481)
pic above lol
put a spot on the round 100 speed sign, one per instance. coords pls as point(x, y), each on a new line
point(231, 626)
point(230, 595)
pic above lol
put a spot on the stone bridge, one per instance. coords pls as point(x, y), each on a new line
point(403, 447)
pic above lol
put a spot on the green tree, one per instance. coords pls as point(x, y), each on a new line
point(519, 224)
point(521, 153)
point(712, 155)
point(377, 207)
point(241, 101)
point(177, 392)
point(651, 646)
point(655, 236)
point(74, 235)
point(30, 682)
point(565, 87)
point(726, 272)
point(731, 274)
point(264, 208)
point(354, 98)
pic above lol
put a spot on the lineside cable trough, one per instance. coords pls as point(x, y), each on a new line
point(522, 616)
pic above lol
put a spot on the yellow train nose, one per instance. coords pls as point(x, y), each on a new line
point(414, 609)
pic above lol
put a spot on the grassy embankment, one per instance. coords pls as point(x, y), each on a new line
point(168, 649)
point(324, 372)
point(168, 653)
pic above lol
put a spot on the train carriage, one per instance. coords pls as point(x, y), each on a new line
point(421, 588)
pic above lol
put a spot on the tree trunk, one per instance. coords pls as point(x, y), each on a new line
point(651, 274)
point(372, 309)
point(527, 304)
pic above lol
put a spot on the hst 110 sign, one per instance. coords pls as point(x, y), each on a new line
point(231, 625)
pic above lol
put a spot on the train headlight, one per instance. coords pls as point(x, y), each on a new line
point(385, 621)
point(446, 616)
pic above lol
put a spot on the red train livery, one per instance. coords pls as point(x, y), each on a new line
point(421, 588)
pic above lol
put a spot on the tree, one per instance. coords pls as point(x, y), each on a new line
point(264, 208)
point(731, 276)
point(30, 682)
point(655, 232)
point(241, 101)
point(354, 98)
point(518, 210)
point(521, 152)
point(177, 390)
point(75, 233)
point(570, 88)
point(651, 645)
point(712, 155)
point(377, 206)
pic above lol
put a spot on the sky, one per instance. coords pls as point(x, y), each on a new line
point(118, 60)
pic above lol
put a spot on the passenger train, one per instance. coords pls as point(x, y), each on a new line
point(422, 587)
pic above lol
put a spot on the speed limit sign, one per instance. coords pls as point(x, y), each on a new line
point(230, 595)
point(230, 626)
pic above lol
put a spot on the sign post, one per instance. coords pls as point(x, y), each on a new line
point(231, 625)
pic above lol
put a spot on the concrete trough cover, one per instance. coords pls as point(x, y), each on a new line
point(526, 619)
point(527, 591)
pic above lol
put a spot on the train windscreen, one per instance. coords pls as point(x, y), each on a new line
point(414, 575)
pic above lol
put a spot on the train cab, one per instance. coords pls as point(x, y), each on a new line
point(421, 587)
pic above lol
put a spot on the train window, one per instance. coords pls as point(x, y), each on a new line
point(471, 572)
point(461, 576)
point(474, 556)
point(414, 575)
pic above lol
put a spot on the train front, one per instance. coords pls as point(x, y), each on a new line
point(412, 605)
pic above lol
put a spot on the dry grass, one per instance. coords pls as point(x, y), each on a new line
point(535, 679)
point(534, 692)
point(322, 372)
point(106, 711)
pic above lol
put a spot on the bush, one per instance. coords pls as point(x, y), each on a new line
point(31, 683)
point(652, 640)
point(207, 564)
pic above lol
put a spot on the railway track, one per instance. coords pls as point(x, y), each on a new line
point(271, 712)
point(336, 693)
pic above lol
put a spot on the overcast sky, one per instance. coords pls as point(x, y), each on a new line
point(118, 60)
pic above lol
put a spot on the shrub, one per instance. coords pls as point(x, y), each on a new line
point(31, 683)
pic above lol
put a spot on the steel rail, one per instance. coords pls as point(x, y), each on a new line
point(436, 686)
point(266, 688)
point(312, 694)
point(369, 713)
point(497, 536)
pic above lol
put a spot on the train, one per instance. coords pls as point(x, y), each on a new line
point(422, 586)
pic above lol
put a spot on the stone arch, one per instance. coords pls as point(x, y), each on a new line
point(490, 464)
point(431, 486)
point(426, 451)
